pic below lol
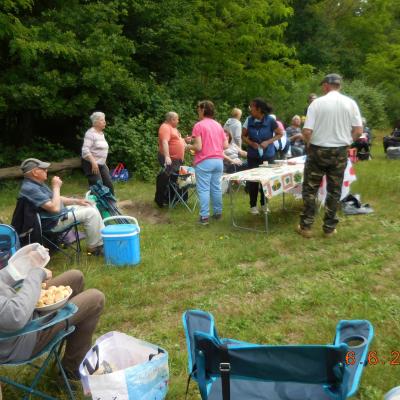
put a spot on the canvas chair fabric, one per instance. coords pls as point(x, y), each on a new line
point(228, 369)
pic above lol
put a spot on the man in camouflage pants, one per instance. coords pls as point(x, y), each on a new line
point(333, 122)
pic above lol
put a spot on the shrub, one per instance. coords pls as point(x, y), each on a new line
point(133, 141)
point(40, 148)
point(370, 100)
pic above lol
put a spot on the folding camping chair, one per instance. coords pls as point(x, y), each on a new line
point(105, 200)
point(9, 243)
point(58, 237)
point(32, 227)
point(182, 190)
point(53, 349)
point(229, 369)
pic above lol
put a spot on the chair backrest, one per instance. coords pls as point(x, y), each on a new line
point(26, 222)
point(9, 243)
point(315, 370)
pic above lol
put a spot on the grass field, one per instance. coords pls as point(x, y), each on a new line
point(278, 288)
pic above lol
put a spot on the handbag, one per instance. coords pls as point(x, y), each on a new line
point(120, 173)
point(122, 367)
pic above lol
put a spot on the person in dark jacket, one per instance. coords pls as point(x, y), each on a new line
point(260, 131)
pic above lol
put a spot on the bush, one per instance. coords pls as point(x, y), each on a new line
point(40, 148)
point(134, 142)
point(370, 100)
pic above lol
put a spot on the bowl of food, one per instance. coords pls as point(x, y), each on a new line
point(53, 298)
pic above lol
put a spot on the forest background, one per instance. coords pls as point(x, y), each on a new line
point(60, 60)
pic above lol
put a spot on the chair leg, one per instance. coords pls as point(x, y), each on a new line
point(43, 368)
point(46, 239)
point(27, 389)
point(66, 381)
point(77, 246)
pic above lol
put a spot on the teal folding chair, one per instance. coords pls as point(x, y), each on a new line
point(228, 369)
point(53, 350)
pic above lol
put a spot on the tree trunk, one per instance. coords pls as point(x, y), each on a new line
point(15, 172)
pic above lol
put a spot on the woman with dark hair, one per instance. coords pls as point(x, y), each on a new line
point(260, 131)
point(209, 144)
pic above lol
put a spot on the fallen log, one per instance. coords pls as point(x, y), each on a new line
point(15, 172)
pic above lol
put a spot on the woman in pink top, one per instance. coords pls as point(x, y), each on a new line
point(209, 144)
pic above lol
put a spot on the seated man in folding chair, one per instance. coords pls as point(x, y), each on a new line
point(17, 309)
point(50, 202)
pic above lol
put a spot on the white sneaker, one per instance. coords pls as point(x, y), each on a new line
point(254, 211)
point(265, 209)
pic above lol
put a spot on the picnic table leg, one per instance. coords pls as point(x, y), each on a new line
point(234, 224)
point(266, 212)
point(283, 201)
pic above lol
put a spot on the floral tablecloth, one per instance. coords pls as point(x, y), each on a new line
point(274, 179)
point(277, 179)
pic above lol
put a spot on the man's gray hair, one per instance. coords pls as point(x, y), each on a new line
point(97, 115)
point(296, 117)
point(170, 114)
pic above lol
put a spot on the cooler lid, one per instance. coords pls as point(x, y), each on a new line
point(120, 229)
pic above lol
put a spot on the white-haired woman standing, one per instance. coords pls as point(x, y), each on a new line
point(95, 151)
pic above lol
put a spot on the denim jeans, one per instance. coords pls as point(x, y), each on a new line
point(208, 183)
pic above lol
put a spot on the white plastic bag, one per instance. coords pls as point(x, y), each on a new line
point(125, 368)
point(31, 256)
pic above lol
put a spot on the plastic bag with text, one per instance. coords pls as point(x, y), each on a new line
point(122, 367)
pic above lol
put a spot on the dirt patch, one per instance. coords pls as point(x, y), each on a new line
point(257, 264)
point(143, 212)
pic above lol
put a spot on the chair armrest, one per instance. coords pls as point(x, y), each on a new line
point(46, 220)
point(360, 331)
point(58, 215)
point(39, 324)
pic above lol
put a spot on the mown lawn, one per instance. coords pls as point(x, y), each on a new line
point(278, 288)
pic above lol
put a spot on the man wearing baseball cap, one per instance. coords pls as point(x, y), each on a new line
point(50, 202)
point(333, 122)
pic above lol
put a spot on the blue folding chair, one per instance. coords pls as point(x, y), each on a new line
point(9, 243)
point(53, 349)
point(232, 370)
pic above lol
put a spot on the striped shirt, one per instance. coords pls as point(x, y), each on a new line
point(95, 144)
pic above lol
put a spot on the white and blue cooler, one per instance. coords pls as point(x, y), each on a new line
point(121, 241)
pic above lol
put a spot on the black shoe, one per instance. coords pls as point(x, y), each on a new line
point(217, 217)
point(203, 221)
point(160, 204)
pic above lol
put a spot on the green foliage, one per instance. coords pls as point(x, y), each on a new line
point(134, 142)
point(382, 70)
point(371, 101)
point(41, 148)
point(66, 61)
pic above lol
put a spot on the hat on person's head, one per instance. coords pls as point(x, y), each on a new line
point(332, 79)
point(30, 163)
